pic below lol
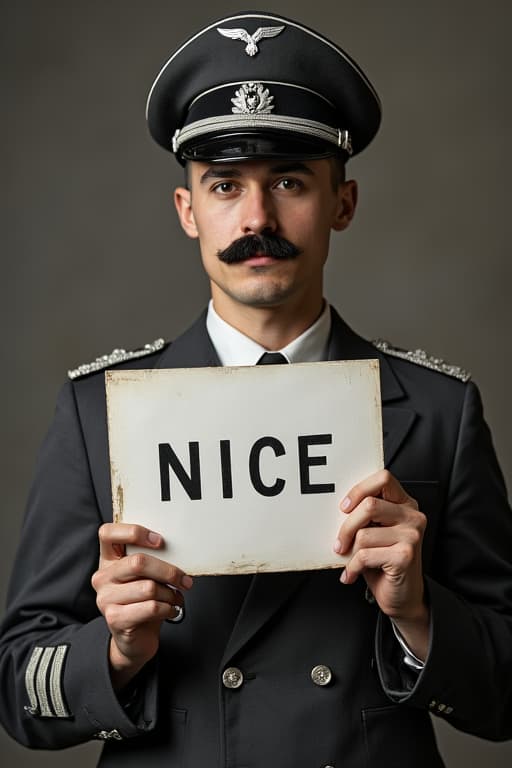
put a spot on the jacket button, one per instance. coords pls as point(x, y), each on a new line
point(321, 675)
point(232, 677)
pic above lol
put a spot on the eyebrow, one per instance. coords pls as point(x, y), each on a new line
point(215, 172)
point(219, 173)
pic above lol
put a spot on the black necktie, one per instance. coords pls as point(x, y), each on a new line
point(272, 358)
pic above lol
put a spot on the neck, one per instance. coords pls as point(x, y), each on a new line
point(271, 327)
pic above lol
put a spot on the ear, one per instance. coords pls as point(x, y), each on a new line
point(346, 206)
point(183, 203)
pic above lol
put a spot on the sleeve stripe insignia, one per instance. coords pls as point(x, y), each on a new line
point(420, 357)
point(56, 681)
point(41, 678)
point(43, 682)
point(30, 673)
point(115, 357)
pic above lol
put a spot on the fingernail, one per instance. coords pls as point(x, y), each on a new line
point(337, 546)
point(186, 582)
point(154, 538)
point(345, 504)
point(343, 577)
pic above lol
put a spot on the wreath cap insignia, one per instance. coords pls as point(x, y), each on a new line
point(252, 99)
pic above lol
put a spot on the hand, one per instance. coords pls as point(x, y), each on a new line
point(135, 593)
point(384, 529)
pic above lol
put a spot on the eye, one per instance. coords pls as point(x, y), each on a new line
point(224, 188)
point(289, 184)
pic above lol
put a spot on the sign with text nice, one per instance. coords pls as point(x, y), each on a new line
point(241, 469)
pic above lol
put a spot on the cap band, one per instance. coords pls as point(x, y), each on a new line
point(340, 139)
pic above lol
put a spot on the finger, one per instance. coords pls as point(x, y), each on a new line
point(394, 560)
point(375, 537)
point(373, 512)
point(141, 566)
point(381, 483)
point(115, 536)
point(137, 592)
point(125, 618)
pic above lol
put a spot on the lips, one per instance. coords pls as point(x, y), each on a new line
point(260, 260)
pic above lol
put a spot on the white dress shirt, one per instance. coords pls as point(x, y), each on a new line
point(235, 348)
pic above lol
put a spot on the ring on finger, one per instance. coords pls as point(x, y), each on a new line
point(180, 614)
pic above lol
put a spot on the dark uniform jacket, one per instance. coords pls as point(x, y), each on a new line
point(273, 628)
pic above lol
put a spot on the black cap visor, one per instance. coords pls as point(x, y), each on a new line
point(254, 145)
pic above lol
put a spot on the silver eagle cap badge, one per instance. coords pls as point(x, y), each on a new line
point(252, 41)
point(252, 99)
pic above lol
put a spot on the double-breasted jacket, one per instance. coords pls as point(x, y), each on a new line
point(272, 629)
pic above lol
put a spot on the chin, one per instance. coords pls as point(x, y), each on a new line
point(263, 296)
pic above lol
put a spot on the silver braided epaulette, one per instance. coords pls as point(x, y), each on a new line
point(420, 357)
point(115, 357)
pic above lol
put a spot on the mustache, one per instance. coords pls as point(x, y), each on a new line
point(257, 245)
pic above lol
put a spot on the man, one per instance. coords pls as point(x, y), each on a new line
point(301, 669)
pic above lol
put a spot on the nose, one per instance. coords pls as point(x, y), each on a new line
point(258, 212)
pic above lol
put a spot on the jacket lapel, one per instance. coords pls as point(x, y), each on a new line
point(193, 349)
point(397, 420)
point(266, 594)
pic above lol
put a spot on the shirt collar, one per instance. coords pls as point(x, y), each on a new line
point(235, 348)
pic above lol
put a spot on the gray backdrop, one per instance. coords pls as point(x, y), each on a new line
point(93, 258)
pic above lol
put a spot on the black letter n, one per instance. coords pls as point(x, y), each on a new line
point(191, 483)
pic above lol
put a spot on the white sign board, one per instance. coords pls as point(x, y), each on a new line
point(241, 469)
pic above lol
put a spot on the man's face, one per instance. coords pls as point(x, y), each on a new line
point(291, 199)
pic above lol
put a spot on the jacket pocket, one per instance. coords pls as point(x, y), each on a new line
point(400, 737)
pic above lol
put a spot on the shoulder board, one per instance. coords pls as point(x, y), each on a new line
point(420, 357)
point(115, 357)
